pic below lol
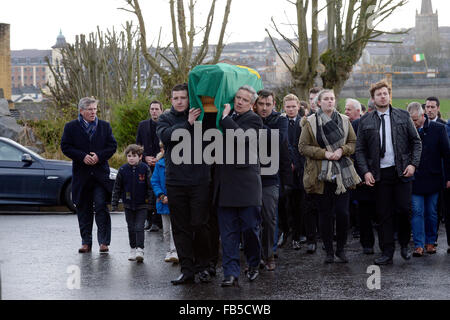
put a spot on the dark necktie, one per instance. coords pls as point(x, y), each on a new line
point(234, 116)
point(291, 122)
point(383, 140)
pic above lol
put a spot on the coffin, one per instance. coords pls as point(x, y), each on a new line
point(213, 86)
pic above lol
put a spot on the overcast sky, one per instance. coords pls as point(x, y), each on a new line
point(36, 24)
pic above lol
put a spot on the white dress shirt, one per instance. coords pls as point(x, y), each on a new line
point(389, 156)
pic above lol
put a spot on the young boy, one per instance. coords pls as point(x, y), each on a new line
point(162, 205)
point(133, 184)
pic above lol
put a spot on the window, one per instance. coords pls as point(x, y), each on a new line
point(9, 153)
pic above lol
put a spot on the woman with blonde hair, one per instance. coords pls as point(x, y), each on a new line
point(327, 141)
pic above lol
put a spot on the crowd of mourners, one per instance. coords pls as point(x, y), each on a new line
point(375, 170)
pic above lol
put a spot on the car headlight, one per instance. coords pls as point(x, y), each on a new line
point(112, 173)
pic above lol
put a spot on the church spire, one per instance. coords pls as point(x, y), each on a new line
point(427, 7)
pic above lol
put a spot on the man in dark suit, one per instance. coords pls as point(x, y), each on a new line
point(291, 207)
point(147, 137)
point(432, 109)
point(188, 188)
point(89, 142)
point(388, 152)
point(238, 189)
point(280, 180)
point(428, 180)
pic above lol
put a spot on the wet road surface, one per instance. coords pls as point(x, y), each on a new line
point(38, 251)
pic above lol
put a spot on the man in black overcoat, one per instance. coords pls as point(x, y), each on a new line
point(238, 190)
point(147, 138)
point(89, 142)
point(188, 187)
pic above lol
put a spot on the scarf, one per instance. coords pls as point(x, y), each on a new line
point(89, 127)
point(331, 136)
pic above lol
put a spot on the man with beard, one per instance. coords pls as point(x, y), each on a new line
point(388, 152)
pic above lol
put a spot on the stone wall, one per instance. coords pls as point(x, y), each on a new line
point(32, 110)
point(5, 60)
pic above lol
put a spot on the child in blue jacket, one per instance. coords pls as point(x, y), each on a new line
point(133, 185)
point(158, 182)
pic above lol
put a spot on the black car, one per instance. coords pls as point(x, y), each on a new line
point(26, 178)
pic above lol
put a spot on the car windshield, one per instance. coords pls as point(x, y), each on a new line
point(12, 151)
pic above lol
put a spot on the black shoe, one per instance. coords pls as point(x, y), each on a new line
point(252, 273)
point(230, 281)
point(342, 258)
point(312, 247)
point(404, 252)
point(303, 239)
point(329, 258)
point(183, 279)
point(147, 225)
point(204, 276)
point(154, 228)
point(383, 260)
point(368, 251)
point(262, 265)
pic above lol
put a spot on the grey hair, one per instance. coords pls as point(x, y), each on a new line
point(414, 107)
point(251, 90)
point(355, 103)
point(86, 102)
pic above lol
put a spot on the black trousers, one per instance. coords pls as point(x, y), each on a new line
point(367, 219)
point(189, 215)
point(135, 222)
point(283, 212)
point(333, 207)
point(296, 213)
point(393, 206)
point(93, 204)
point(214, 233)
point(311, 217)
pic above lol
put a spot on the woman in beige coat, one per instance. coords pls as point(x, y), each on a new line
point(327, 141)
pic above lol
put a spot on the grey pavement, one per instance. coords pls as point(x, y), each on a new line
point(37, 252)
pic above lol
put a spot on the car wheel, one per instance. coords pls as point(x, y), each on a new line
point(68, 198)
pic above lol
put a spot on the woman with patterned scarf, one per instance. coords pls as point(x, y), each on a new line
point(327, 141)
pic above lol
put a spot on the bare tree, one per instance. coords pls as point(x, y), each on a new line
point(350, 28)
point(351, 25)
point(304, 69)
point(105, 65)
point(180, 57)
